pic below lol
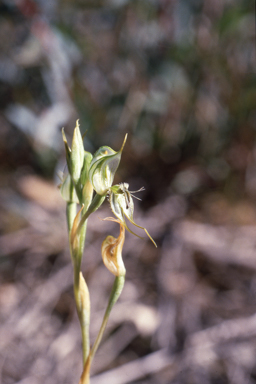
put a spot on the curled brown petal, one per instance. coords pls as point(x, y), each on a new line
point(111, 250)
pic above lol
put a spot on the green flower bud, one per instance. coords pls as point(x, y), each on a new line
point(75, 155)
point(103, 167)
point(122, 206)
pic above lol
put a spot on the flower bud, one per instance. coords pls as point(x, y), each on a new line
point(111, 250)
point(103, 167)
point(75, 155)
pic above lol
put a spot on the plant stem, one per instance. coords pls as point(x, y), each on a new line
point(71, 214)
point(114, 295)
point(85, 377)
point(82, 311)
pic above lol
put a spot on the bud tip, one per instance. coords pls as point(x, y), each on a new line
point(125, 138)
point(65, 140)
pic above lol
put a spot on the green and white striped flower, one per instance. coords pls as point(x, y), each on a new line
point(103, 168)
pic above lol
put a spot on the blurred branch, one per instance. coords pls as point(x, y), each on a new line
point(135, 370)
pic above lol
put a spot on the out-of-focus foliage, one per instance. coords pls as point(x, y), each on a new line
point(179, 77)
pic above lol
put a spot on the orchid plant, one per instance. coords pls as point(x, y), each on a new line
point(87, 184)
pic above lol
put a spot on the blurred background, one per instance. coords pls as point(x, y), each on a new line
point(179, 77)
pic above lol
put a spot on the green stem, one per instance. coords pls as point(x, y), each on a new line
point(83, 315)
point(85, 326)
point(82, 237)
point(115, 293)
point(71, 214)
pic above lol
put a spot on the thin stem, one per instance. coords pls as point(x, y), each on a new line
point(114, 295)
point(71, 214)
point(82, 310)
point(85, 377)
point(85, 340)
point(82, 237)
point(83, 313)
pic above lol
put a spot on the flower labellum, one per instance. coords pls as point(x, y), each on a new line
point(103, 168)
point(122, 206)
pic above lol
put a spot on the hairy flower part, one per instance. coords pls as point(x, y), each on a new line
point(122, 206)
point(103, 168)
point(111, 251)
